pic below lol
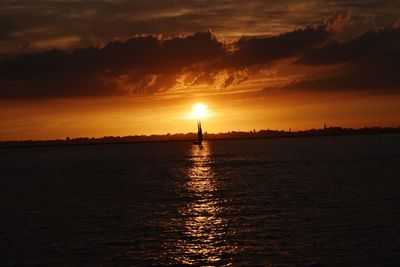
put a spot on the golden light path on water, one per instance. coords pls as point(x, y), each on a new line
point(204, 233)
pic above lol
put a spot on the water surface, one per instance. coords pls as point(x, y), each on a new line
point(267, 202)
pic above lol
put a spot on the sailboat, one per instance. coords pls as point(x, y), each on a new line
point(199, 135)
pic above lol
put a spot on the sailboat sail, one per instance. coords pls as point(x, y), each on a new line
point(199, 132)
point(199, 135)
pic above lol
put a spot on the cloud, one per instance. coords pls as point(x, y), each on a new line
point(6, 28)
point(371, 80)
point(262, 50)
point(99, 21)
point(63, 42)
point(344, 26)
point(150, 64)
point(339, 21)
point(369, 62)
point(141, 64)
point(146, 64)
point(370, 44)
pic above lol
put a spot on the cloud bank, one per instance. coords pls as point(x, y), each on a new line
point(141, 64)
point(369, 62)
point(153, 64)
point(41, 24)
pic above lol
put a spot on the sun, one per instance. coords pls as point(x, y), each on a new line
point(199, 111)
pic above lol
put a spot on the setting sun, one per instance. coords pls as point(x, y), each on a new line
point(199, 111)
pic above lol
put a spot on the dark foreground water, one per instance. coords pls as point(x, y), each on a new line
point(271, 202)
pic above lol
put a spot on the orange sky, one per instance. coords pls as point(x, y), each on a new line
point(138, 68)
point(56, 119)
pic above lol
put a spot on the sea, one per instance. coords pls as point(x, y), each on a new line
point(321, 201)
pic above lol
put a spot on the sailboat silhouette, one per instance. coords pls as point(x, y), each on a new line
point(199, 135)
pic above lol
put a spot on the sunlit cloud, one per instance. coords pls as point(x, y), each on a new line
point(63, 42)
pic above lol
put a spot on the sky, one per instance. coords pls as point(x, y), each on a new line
point(113, 67)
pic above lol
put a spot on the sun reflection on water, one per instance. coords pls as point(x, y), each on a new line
point(201, 232)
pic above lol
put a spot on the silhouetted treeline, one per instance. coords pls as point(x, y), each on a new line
point(330, 131)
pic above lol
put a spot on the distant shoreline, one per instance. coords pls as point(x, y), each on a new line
point(262, 134)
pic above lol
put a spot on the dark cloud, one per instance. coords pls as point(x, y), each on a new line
point(370, 44)
point(261, 50)
point(150, 64)
point(142, 64)
point(6, 28)
point(372, 79)
point(145, 64)
point(369, 62)
point(98, 21)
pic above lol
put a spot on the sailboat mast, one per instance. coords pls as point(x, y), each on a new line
point(199, 132)
point(199, 135)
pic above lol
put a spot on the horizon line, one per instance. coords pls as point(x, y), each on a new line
point(155, 135)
